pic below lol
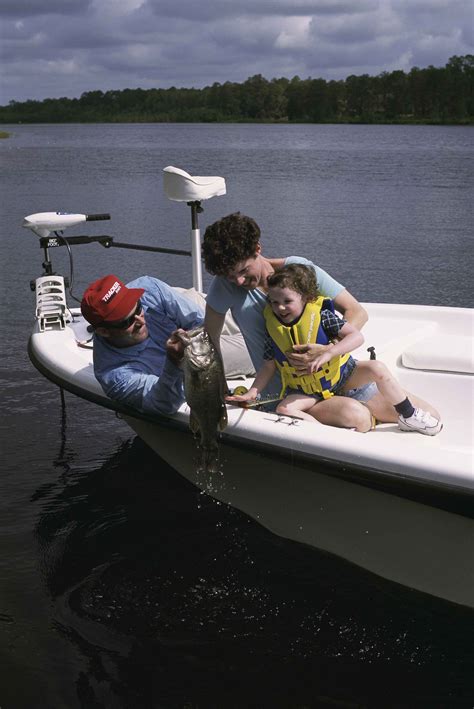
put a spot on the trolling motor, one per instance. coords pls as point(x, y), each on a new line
point(43, 224)
point(51, 305)
point(52, 311)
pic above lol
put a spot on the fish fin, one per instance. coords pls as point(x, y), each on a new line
point(193, 422)
point(223, 419)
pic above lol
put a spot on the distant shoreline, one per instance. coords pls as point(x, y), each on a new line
point(430, 96)
point(464, 122)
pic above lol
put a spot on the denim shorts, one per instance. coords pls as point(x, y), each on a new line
point(363, 394)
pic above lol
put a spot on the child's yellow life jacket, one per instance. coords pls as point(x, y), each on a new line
point(307, 330)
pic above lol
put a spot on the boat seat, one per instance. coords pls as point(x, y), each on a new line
point(443, 354)
point(182, 187)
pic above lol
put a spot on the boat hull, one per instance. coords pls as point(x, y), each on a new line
point(397, 504)
point(420, 546)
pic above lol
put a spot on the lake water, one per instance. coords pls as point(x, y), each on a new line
point(121, 585)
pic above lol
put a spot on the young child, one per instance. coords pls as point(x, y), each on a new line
point(297, 314)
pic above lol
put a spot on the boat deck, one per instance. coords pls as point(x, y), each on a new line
point(422, 337)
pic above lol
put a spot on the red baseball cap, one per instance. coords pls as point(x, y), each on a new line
point(109, 300)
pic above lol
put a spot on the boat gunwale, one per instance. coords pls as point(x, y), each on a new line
point(449, 497)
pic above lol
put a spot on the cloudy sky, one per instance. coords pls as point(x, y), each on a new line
point(53, 48)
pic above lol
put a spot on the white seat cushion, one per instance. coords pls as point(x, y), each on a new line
point(183, 187)
point(444, 354)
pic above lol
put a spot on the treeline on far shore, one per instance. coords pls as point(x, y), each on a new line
point(431, 95)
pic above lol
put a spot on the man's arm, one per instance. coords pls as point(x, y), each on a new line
point(183, 311)
point(149, 393)
point(167, 394)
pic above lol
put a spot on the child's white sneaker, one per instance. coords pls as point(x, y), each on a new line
point(421, 421)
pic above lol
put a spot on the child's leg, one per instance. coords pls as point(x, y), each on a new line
point(393, 403)
point(296, 405)
point(343, 412)
point(337, 411)
point(386, 413)
point(374, 371)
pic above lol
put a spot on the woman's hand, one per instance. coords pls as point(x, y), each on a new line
point(304, 357)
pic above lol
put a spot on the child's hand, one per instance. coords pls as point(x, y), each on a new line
point(250, 395)
point(320, 361)
point(304, 357)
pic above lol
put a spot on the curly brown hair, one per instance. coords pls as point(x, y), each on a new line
point(228, 241)
point(297, 277)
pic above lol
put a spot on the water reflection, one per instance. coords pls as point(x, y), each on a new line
point(174, 599)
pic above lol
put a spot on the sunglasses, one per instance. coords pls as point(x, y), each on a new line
point(124, 324)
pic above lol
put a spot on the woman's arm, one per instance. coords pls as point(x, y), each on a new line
point(350, 339)
point(351, 309)
point(213, 324)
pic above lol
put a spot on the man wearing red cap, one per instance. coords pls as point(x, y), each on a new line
point(136, 350)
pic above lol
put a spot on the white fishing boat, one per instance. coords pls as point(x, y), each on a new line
point(398, 504)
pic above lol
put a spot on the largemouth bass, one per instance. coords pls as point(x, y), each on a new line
point(205, 388)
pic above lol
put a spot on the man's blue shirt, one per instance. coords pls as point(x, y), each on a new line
point(141, 375)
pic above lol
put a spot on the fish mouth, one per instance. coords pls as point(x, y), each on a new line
point(198, 348)
point(184, 337)
point(199, 362)
point(187, 337)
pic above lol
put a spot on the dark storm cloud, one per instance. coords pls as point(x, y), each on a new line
point(218, 9)
point(65, 47)
point(26, 8)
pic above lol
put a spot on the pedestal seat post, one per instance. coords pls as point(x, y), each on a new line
point(180, 186)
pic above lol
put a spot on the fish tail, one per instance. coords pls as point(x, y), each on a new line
point(210, 458)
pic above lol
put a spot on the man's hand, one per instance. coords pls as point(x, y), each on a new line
point(301, 357)
point(175, 346)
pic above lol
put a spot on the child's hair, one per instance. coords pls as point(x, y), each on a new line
point(297, 277)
